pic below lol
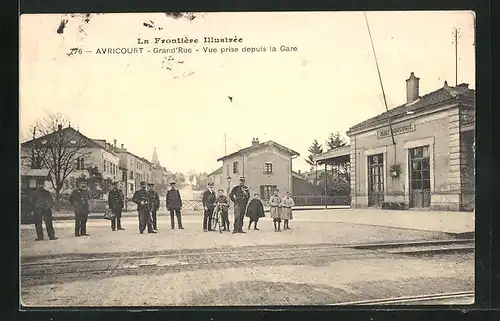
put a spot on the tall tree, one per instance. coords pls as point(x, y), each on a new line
point(314, 149)
point(54, 148)
point(335, 140)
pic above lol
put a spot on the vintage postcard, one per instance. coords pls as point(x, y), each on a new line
point(228, 159)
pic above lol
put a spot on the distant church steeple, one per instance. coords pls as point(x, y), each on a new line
point(155, 160)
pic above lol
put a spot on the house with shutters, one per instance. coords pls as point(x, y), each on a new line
point(265, 166)
point(77, 153)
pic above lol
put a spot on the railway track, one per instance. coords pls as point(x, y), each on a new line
point(47, 270)
point(465, 297)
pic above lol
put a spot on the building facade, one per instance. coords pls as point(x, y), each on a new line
point(265, 166)
point(78, 152)
point(420, 154)
point(135, 169)
point(217, 177)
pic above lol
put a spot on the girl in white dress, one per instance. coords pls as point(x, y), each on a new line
point(286, 213)
point(275, 211)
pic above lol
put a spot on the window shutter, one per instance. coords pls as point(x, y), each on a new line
point(262, 192)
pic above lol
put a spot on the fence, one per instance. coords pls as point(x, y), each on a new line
point(187, 205)
point(318, 200)
point(301, 200)
point(98, 206)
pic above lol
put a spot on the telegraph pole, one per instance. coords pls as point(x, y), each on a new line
point(225, 144)
point(456, 36)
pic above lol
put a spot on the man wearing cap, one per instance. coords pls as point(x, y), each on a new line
point(154, 198)
point(116, 200)
point(141, 198)
point(240, 196)
point(174, 205)
point(209, 199)
point(80, 200)
point(42, 202)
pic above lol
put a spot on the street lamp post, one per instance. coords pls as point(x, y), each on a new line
point(124, 178)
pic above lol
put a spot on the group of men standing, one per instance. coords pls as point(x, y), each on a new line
point(239, 195)
point(148, 203)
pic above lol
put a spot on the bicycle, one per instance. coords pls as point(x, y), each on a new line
point(216, 219)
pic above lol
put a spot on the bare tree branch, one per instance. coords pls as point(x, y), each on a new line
point(56, 148)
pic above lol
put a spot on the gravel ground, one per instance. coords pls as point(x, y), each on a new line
point(285, 284)
point(102, 240)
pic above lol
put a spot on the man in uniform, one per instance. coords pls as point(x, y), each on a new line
point(209, 199)
point(141, 198)
point(42, 202)
point(80, 200)
point(116, 200)
point(240, 196)
point(154, 198)
point(174, 205)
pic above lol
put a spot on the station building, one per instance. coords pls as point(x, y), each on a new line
point(419, 155)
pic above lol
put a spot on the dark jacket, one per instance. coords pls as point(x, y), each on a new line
point(142, 196)
point(240, 195)
point(174, 200)
point(80, 201)
point(223, 202)
point(209, 199)
point(41, 199)
point(154, 198)
point(255, 209)
point(115, 199)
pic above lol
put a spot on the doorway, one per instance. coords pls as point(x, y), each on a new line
point(375, 180)
point(420, 177)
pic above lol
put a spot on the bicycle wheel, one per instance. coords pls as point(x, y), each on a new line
point(215, 220)
point(219, 222)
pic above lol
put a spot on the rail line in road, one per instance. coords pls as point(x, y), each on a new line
point(417, 299)
point(396, 247)
point(173, 262)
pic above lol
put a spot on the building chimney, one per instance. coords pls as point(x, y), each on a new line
point(59, 127)
point(122, 146)
point(255, 141)
point(412, 89)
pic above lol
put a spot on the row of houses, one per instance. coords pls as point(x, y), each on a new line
point(79, 152)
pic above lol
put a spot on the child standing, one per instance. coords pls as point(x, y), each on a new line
point(275, 211)
point(255, 210)
point(223, 204)
point(287, 215)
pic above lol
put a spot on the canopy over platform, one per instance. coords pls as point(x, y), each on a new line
point(334, 156)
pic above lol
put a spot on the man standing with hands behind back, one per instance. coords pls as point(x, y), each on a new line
point(209, 199)
point(240, 196)
point(116, 201)
point(155, 204)
point(80, 200)
point(141, 198)
point(174, 205)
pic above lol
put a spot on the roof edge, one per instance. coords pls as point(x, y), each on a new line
point(354, 130)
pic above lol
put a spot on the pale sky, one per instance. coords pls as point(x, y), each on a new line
point(328, 85)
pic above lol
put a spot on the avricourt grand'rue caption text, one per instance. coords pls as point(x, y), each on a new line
point(186, 45)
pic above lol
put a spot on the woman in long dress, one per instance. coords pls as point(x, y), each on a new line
point(275, 211)
point(287, 203)
point(255, 210)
